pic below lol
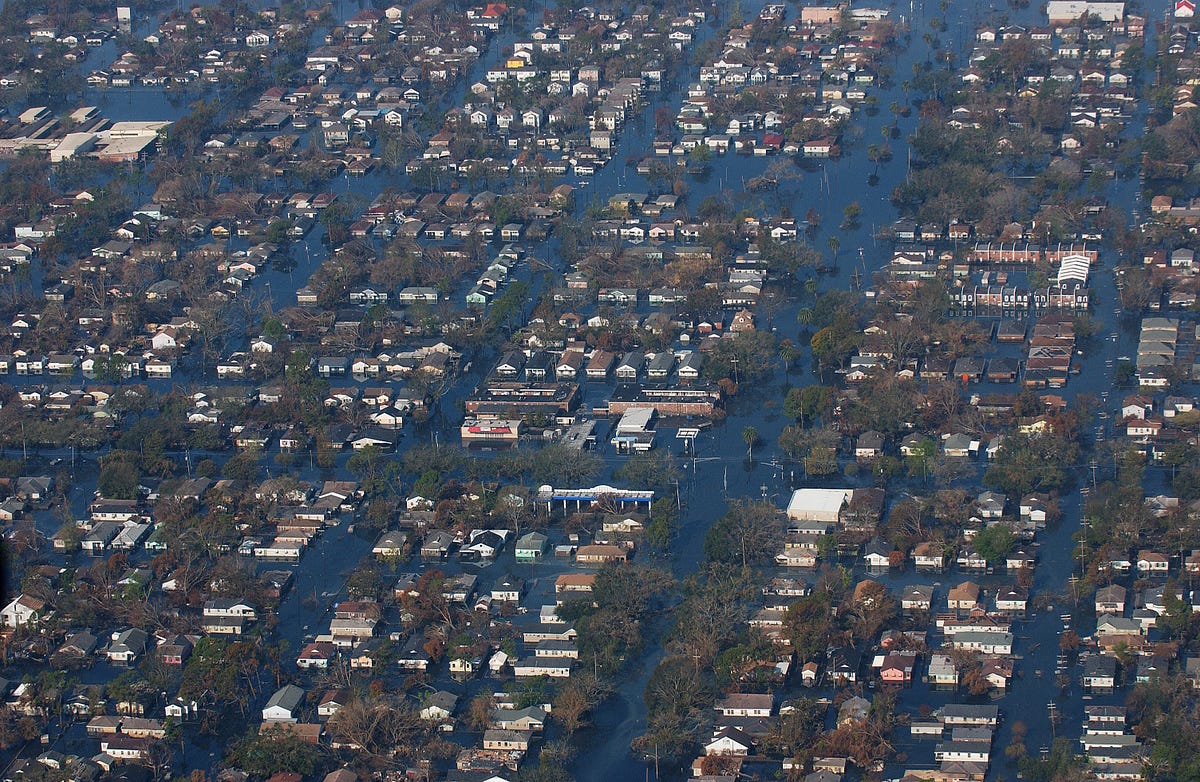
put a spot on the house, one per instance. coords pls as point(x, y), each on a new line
point(929, 555)
point(128, 645)
point(1035, 508)
point(730, 742)
point(897, 668)
point(438, 706)
point(531, 719)
point(34, 488)
point(989, 643)
point(842, 664)
point(508, 589)
point(876, 555)
point(437, 545)
point(990, 505)
point(230, 607)
point(120, 746)
point(970, 715)
point(1110, 600)
point(624, 523)
point(1099, 672)
point(997, 671)
point(964, 597)
point(174, 650)
point(412, 656)
point(1152, 563)
point(332, 702)
point(284, 705)
point(569, 584)
point(530, 547)
point(853, 709)
point(484, 544)
point(630, 365)
point(1011, 599)
point(376, 437)
point(78, 646)
point(600, 365)
point(970, 559)
point(553, 667)
point(916, 597)
point(569, 364)
point(390, 545)
point(746, 705)
point(317, 654)
point(959, 445)
point(1118, 626)
point(23, 610)
point(869, 445)
point(818, 504)
point(942, 671)
point(599, 554)
point(506, 740)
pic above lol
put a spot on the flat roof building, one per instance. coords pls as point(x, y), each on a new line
point(818, 504)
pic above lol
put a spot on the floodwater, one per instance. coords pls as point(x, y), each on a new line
point(721, 470)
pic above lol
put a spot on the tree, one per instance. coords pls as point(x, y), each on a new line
point(576, 700)
point(833, 344)
point(654, 469)
point(1062, 765)
point(788, 353)
point(1027, 464)
point(806, 404)
point(748, 534)
point(750, 436)
point(563, 465)
point(870, 609)
point(808, 625)
point(799, 728)
point(1176, 622)
point(850, 215)
point(994, 543)
point(119, 476)
point(274, 751)
point(376, 725)
point(748, 357)
point(674, 694)
point(663, 524)
point(479, 712)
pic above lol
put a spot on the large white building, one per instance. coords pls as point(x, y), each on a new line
point(1066, 11)
point(818, 504)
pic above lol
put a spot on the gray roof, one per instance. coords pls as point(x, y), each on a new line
point(288, 697)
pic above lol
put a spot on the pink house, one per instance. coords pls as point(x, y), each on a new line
point(897, 668)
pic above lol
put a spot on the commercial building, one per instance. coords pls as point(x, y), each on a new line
point(818, 504)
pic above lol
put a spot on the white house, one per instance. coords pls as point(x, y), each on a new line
point(23, 610)
point(284, 705)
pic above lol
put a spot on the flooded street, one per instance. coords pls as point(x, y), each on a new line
point(719, 470)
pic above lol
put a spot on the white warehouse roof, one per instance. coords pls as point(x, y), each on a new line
point(817, 504)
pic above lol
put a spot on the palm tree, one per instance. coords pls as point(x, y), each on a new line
point(787, 354)
point(750, 435)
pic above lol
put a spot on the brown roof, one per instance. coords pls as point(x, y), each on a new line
point(574, 581)
point(967, 590)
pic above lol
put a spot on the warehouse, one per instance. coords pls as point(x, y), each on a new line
point(818, 504)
